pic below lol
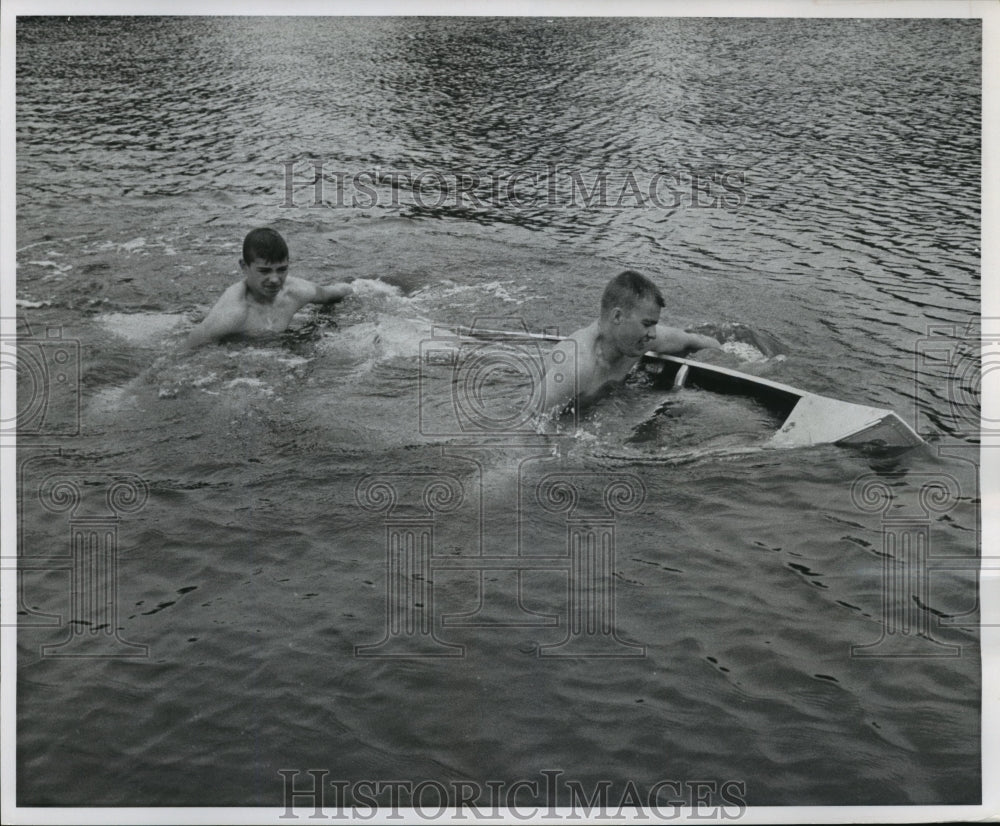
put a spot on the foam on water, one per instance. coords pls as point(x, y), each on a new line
point(373, 341)
point(259, 371)
point(744, 351)
point(376, 323)
point(508, 293)
point(373, 286)
point(134, 245)
point(61, 268)
point(141, 328)
point(252, 384)
point(377, 326)
point(746, 341)
point(263, 354)
point(112, 399)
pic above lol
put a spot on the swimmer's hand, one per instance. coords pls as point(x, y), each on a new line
point(333, 292)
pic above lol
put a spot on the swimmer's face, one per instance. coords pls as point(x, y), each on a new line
point(264, 279)
point(636, 327)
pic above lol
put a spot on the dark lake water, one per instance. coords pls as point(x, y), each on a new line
point(809, 187)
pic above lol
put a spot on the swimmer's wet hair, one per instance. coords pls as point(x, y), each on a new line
point(266, 245)
point(627, 289)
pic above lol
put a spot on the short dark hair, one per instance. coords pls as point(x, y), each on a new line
point(265, 244)
point(627, 289)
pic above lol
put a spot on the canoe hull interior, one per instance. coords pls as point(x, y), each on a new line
point(778, 399)
point(807, 418)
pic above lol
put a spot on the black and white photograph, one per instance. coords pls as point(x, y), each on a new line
point(432, 413)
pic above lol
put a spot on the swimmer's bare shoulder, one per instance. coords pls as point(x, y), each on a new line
point(227, 316)
point(569, 369)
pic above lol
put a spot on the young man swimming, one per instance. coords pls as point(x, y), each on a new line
point(267, 297)
point(594, 360)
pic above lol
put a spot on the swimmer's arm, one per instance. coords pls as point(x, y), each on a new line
point(333, 292)
point(226, 317)
point(305, 292)
point(672, 340)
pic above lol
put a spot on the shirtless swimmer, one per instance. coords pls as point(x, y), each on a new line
point(608, 349)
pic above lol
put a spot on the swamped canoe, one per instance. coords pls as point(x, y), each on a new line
point(807, 418)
